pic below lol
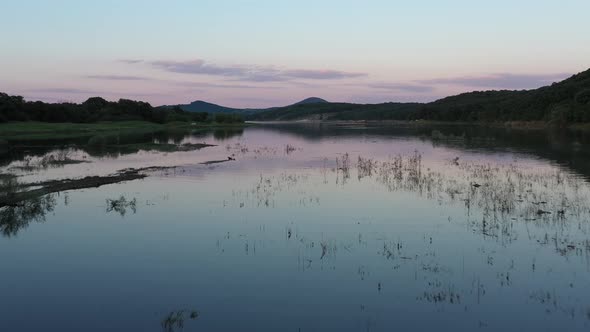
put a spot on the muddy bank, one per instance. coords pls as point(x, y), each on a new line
point(211, 162)
point(20, 193)
point(15, 193)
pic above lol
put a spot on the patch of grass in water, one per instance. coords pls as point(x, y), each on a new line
point(165, 147)
point(59, 159)
point(121, 205)
point(176, 320)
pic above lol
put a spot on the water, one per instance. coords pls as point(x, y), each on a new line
point(448, 228)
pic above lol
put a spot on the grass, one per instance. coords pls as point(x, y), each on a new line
point(56, 159)
point(43, 131)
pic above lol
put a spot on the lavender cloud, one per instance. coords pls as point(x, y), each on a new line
point(247, 73)
point(263, 77)
point(119, 77)
point(414, 88)
point(321, 74)
point(63, 90)
point(199, 67)
point(224, 86)
point(501, 80)
point(131, 61)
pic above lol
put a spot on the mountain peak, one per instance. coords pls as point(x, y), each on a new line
point(197, 102)
point(312, 100)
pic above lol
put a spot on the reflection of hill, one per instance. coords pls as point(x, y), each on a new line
point(114, 146)
point(227, 133)
point(567, 148)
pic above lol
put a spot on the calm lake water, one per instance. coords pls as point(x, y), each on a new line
point(312, 228)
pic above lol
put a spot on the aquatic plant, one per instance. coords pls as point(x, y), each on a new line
point(57, 158)
point(289, 149)
point(175, 320)
point(121, 205)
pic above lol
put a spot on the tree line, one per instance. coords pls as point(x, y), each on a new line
point(95, 109)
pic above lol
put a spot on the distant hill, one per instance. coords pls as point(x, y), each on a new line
point(337, 111)
point(312, 100)
point(203, 106)
point(565, 102)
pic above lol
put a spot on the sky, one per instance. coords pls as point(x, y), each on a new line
point(263, 53)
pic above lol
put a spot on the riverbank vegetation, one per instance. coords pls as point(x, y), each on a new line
point(95, 109)
point(22, 120)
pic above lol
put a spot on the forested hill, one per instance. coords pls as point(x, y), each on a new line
point(338, 111)
point(95, 109)
point(565, 102)
point(203, 106)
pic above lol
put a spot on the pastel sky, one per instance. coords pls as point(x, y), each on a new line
point(260, 53)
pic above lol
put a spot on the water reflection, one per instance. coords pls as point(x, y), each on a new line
point(565, 147)
point(222, 134)
point(13, 219)
point(112, 146)
point(344, 228)
point(495, 197)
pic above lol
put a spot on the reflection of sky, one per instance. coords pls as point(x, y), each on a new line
point(317, 258)
point(191, 245)
point(273, 53)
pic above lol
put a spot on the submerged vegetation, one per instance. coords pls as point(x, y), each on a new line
point(121, 205)
point(504, 205)
point(58, 158)
point(496, 198)
point(176, 320)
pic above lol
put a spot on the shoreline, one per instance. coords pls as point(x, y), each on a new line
point(12, 132)
point(520, 125)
